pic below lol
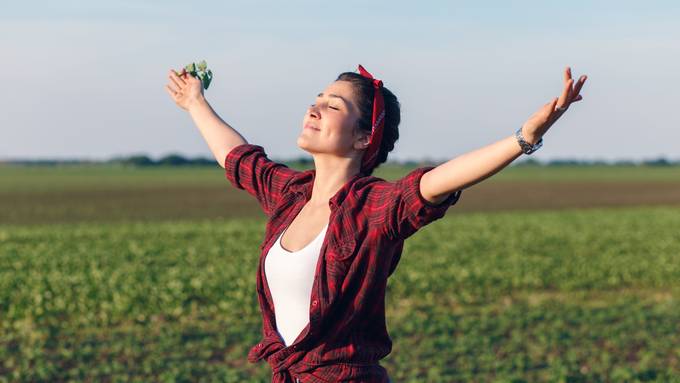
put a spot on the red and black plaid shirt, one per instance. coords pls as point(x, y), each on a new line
point(370, 219)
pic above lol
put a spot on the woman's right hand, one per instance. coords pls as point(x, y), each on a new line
point(185, 89)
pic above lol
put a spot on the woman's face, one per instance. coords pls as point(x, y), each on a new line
point(328, 126)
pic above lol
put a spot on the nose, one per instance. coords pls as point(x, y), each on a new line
point(312, 111)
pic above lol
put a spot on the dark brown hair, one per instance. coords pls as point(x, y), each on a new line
point(364, 91)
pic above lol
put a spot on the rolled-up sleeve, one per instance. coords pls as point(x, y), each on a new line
point(400, 207)
point(248, 168)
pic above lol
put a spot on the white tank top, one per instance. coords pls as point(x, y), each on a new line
point(290, 276)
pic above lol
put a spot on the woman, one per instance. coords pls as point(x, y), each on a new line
point(335, 232)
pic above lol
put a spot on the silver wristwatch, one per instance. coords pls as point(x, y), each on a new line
point(527, 148)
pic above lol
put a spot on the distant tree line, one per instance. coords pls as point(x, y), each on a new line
point(141, 160)
point(169, 160)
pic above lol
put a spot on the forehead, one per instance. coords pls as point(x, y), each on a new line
point(340, 88)
point(344, 89)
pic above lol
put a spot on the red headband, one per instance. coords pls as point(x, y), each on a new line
point(377, 122)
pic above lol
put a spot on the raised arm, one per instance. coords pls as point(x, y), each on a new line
point(187, 92)
point(247, 166)
point(475, 166)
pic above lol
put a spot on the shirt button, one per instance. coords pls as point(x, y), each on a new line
point(259, 345)
point(314, 302)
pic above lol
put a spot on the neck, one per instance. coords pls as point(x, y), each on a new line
point(331, 174)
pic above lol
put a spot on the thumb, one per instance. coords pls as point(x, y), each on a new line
point(551, 109)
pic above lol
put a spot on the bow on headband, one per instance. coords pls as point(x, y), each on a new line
point(377, 122)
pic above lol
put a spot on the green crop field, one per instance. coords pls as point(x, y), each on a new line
point(538, 274)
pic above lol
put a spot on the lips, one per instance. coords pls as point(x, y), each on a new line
point(308, 126)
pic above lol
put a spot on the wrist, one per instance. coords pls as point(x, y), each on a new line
point(197, 104)
point(529, 136)
point(528, 145)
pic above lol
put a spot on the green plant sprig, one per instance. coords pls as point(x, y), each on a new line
point(201, 71)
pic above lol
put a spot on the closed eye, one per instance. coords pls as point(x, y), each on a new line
point(332, 107)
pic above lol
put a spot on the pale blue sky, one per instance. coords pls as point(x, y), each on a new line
point(85, 79)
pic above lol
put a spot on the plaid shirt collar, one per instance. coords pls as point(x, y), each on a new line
point(304, 182)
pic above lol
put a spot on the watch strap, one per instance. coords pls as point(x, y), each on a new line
point(527, 148)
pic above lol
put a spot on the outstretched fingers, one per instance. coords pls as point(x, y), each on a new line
point(171, 91)
point(577, 88)
point(178, 81)
point(571, 91)
point(565, 97)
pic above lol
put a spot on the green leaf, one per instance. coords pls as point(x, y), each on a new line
point(208, 78)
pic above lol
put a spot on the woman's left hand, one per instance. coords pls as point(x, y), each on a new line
point(542, 120)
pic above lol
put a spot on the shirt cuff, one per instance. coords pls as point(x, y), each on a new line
point(415, 199)
point(233, 158)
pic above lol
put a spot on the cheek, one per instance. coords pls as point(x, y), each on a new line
point(342, 130)
point(335, 139)
point(337, 132)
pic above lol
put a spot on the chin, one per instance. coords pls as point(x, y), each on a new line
point(303, 143)
point(310, 147)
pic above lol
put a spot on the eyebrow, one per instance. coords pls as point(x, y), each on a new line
point(336, 96)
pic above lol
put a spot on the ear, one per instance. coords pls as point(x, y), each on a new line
point(361, 142)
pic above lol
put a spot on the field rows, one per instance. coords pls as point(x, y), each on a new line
point(572, 295)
